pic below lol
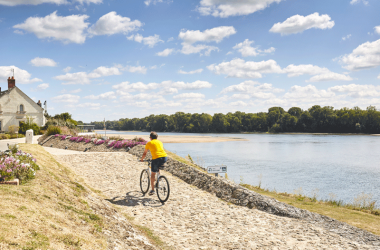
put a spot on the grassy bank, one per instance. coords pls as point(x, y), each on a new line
point(359, 217)
point(50, 211)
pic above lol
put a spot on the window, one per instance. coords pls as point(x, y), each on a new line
point(21, 108)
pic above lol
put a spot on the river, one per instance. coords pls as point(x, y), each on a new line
point(340, 167)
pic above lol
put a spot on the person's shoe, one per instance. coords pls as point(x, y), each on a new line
point(151, 192)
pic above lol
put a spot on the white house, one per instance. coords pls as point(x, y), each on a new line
point(16, 106)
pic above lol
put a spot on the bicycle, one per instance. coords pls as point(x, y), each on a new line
point(161, 185)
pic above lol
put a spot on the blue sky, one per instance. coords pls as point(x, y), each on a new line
point(131, 58)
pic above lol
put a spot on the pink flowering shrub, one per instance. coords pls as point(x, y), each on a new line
point(17, 165)
point(112, 144)
point(87, 140)
point(63, 137)
point(80, 139)
point(73, 138)
point(107, 141)
point(57, 135)
point(98, 142)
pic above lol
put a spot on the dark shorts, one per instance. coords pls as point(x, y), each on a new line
point(156, 163)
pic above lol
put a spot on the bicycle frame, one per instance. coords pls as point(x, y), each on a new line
point(150, 172)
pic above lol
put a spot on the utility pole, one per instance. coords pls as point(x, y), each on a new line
point(105, 129)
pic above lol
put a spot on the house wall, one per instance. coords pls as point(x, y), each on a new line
point(10, 105)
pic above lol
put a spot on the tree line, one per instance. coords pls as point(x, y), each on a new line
point(316, 119)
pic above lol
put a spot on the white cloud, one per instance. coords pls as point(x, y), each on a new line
point(308, 93)
point(84, 78)
point(36, 2)
point(112, 23)
point(331, 76)
point(21, 76)
point(226, 8)
point(365, 56)
point(166, 87)
point(303, 69)
point(216, 34)
point(67, 69)
point(43, 86)
point(148, 2)
point(149, 40)
point(252, 89)
point(357, 91)
point(378, 77)
point(165, 52)
point(377, 29)
point(67, 98)
point(43, 62)
point(242, 69)
point(246, 50)
point(239, 103)
point(189, 96)
point(30, 2)
point(132, 87)
point(104, 71)
point(190, 49)
point(75, 91)
point(358, 1)
point(87, 105)
point(346, 37)
point(67, 29)
point(170, 39)
point(190, 72)
point(136, 69)
point(297, 23)
point(189, 86)
point(89, 1)
point(105, 96)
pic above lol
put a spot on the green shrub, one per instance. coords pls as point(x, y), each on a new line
point(26, 126)
point(53, 130)
point(5, 136)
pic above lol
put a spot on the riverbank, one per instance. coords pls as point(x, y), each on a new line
point(196, 219)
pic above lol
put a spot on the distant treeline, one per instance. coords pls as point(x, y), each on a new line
point(316, 119)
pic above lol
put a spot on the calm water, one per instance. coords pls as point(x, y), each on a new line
point(345, 166)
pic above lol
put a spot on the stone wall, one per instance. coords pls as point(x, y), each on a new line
point(229, 191)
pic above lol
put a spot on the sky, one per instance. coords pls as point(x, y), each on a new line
point(112, 59)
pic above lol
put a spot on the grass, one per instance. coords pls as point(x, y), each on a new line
point(353, 214)
point(50, 211)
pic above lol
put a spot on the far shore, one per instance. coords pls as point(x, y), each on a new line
point(179, 138)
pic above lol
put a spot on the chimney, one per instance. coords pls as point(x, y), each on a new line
point(11, 82)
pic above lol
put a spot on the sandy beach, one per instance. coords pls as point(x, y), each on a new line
point(180, 139)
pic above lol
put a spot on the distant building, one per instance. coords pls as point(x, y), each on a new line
point(15, 106)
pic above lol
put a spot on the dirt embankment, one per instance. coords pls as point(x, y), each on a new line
point(56, 210)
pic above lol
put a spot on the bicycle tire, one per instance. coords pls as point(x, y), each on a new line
point(163, 189)
point(144, 181)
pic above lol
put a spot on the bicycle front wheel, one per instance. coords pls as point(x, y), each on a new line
point(163, 189)
point(144, 181)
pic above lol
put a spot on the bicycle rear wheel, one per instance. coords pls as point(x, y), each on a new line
point(163, 189)
point(144, 181)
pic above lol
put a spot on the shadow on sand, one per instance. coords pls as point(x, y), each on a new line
point(135, 198)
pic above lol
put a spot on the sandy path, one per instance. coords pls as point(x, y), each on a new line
point(181, 139)
point(192, 218)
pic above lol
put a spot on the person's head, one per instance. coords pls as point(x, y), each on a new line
point(153, 135)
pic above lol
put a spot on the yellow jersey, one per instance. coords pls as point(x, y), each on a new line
point(156, 149)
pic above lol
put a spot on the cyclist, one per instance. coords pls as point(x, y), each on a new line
point(159, 156)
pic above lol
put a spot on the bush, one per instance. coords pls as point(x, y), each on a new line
point(5, 136)
point(12, 129)
point(26, 126)
point(53, 130)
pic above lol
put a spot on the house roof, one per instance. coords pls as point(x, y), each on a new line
point(3, 93)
